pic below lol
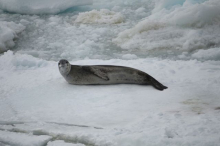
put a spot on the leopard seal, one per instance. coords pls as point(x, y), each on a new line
point(105, 74)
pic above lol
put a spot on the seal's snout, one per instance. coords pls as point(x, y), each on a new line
point(60, 65)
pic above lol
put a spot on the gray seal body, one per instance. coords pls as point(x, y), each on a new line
point(105, 74)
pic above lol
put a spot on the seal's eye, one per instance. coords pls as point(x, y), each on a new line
point(66, 61)
point(58, 63)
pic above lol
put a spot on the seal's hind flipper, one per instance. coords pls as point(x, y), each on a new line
point(97, 72)
point(157, 84)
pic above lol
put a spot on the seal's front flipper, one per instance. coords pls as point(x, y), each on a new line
point(97, 72)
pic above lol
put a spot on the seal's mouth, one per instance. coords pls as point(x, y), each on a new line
point(61, 65)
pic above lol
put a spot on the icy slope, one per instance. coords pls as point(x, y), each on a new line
point(37, 100)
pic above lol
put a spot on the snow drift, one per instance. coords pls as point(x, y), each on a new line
point(40, 6)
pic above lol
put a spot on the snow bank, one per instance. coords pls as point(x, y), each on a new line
point(62, 143)
point(138, 29)
point(18, 61)
point(8, 33)
point(40, 6)
point(103, 16)
point(175, 27)
point(20, 139)
point(213, 54)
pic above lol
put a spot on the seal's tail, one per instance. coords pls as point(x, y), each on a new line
point(157, 84)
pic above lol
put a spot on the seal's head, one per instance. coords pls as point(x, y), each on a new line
point(64, 67)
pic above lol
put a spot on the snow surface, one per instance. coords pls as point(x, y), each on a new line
point(62, 143)
point(40, 6)
point(20, 139)
point(187, 113)
point(177, 42)
point(103, 16)
point(177, 28)
point(8, 34)
point(213, 53)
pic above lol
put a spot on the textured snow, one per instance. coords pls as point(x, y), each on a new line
point(40, 6)
point(189, 14)
point(8, 34)
point(20, 139)
point(54, 37)
point(175, 27)
point(213, 53)
point(103, 16)
point(62, 143)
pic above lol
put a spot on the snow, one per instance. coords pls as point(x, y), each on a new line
point(213, 53)
point(177, 42)
point(129, 56)
point(60, 142)
point(103, 16)
point(174, 26)
point(189, 14)
point(185, 113)
point(8, 34)
point(40, 6)
point(20, 139)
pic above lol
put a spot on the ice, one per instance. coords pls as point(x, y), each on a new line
point(53, 37)
point(25, 61)
point(213, 53)
point(39, 97)
point(172, 4)
point(174, 27)
point(189, 14)
point(161, 33)
point(176, 42)
point(20, 139)
point(40, 6)
point(60, 142)
point(129, 56)
point(8, 34)
point(98, 17)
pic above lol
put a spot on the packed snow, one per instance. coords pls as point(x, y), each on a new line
point(177, 42)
